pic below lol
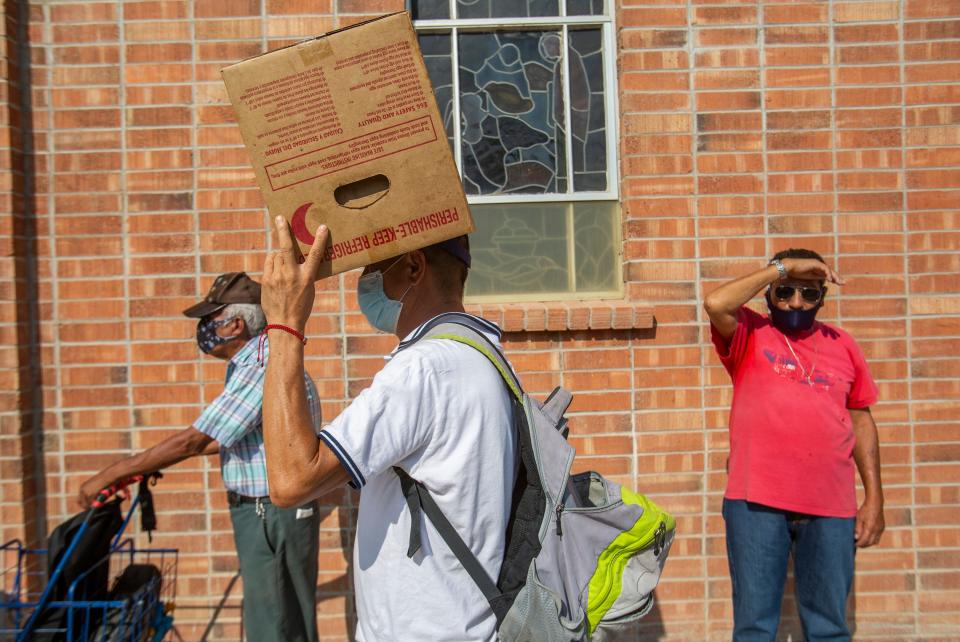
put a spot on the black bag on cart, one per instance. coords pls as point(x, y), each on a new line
point(93, 547)
point(139, 587)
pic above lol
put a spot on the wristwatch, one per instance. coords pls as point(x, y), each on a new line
point(777, 263)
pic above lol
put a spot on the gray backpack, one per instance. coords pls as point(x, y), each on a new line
point(582, 554)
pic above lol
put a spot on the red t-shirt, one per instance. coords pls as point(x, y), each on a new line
point(791, 436)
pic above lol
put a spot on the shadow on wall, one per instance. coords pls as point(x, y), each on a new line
point(219, 609)
point(26, 286)
point(651, 627)
point(341, 586)
point(229, 607)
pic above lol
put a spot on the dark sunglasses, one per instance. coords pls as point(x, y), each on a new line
point(808, 294)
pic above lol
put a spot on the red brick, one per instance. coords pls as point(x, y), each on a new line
point(235, 8)
point(153, 31)
point(724, 15)
point(798, 77)
point(799, 120)
point(872, 75)
point(935, 30)
point(631, 38)
point(658, 17)
point(707, 37)
point(918, 9)
point(724, 100)
point(298, 6)
point(155, 10)
point(797, 99)
point(866, 12)
point(729, 121)
point(795, 35)
point(727, 58)
point(796, 56)
point(932, 51)
point(795, 13)
point(103, 54)
point(798, 141)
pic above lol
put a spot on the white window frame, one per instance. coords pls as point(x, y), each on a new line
point(563, 22)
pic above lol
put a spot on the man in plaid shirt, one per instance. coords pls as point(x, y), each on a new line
point(277, 547)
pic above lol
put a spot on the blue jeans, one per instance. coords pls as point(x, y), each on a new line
point(759, 541)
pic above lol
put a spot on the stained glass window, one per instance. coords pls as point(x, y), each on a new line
point(523, 87)
point(511, 139)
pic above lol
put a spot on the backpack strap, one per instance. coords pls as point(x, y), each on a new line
point(468, 330)
point(468, 335)
point(419, 501)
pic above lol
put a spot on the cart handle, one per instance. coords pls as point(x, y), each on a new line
point(118, 488)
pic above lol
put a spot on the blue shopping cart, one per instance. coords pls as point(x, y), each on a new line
point(78, 601)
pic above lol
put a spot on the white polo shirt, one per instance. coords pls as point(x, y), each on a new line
point(439, 410)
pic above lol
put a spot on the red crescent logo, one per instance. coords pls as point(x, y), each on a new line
point(299, 225)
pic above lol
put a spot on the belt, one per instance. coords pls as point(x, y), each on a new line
point(236, 499)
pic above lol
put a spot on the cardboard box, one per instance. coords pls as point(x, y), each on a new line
point(343, 129)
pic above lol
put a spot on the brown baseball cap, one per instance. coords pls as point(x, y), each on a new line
point(232, 287)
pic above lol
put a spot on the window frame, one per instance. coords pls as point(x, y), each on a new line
point(562, 22)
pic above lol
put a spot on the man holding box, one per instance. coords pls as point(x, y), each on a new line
point(277, 547)
point(800, 421)
point(438, 409)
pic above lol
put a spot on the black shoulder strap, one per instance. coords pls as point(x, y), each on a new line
point(419, 501)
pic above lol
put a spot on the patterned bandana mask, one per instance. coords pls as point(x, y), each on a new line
point(207, 337)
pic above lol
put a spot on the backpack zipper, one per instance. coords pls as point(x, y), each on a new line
point(559, 513)
point(659, 539)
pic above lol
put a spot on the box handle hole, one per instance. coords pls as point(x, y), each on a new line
point(363, 193)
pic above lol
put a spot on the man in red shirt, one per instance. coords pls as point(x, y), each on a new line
point(799, 422)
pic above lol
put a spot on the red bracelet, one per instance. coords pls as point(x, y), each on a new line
point(276, 326)
point(287, 329)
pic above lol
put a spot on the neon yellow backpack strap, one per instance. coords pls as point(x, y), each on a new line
point(494, 358)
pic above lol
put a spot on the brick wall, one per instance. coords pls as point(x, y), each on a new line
point(21, 471)
point(746, 128)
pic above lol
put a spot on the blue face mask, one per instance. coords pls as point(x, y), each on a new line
point(792, 321)
point(381, 311)
point(207, 337)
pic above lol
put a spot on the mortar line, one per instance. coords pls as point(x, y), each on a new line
point(908, 315)
point(51, 192)
point(125, 236)
point(690, 49)
point(205, 464)
point(834, 155)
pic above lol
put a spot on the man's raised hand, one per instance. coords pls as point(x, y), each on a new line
point(811, 269)
point(288, 289)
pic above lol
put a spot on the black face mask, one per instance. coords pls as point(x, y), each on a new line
point(207, 337)
point(792, 321)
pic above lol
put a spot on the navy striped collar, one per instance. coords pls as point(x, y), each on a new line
point(476, 323)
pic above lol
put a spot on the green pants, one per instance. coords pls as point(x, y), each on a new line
point(278, 564)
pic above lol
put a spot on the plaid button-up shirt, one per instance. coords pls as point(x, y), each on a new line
point(235, 420)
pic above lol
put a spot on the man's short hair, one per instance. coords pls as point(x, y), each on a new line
point(450, 271)
point(251, 313)
point(797, 253)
